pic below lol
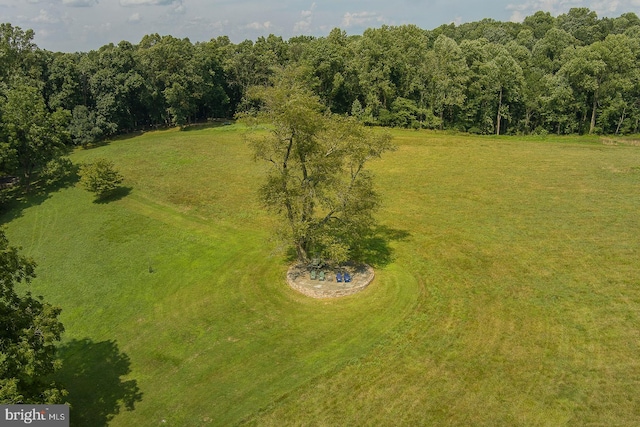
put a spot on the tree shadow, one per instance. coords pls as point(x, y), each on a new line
point(92, 374)
point(117, 194)
point(208, 125)
point(14, 200)
point(375, 249)
point(125, 135)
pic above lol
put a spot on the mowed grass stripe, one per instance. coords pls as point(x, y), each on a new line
point(213, 333)
point(527, 253)
point(512, 297)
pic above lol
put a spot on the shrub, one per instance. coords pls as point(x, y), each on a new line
point(100, 177)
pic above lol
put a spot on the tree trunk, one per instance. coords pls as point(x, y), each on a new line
point(624, 112)
point(301, 252)
point(499, 116)
point(593, 113)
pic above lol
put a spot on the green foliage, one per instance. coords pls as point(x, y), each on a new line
point(100, 177)
point(84, 126)
point(487, 75)
point(317, 181)
point(30, 331)
point(17, 51)
point(33, 135)
point(57, 171)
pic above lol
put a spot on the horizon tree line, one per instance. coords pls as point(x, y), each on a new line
point(571, 74)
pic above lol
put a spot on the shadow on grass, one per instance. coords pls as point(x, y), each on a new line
point(14, 200)
point(120, 137)
point(207, 125)
point(92, 374)
point(375, 249)
point(117, 194)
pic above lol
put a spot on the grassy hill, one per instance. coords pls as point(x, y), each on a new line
point(508, 293)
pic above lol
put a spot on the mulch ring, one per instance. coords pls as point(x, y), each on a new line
point(299, 278)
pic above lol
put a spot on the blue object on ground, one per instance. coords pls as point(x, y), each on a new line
point(339, 277)
point(347, 277)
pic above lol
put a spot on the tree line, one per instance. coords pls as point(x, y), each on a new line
point(574, 73)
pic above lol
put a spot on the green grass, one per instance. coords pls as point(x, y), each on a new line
point(512, 298)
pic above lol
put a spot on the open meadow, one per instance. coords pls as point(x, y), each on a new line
point(507, 289)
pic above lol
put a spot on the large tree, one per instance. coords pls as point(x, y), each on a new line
point(317, 180)
point(29, 332)
point(30, 135)
point(449, 75)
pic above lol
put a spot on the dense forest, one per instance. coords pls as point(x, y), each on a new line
point(574, 73)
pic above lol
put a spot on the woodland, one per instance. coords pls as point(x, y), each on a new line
point(571, 74)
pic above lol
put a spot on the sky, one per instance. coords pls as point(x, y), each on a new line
point(83, 25)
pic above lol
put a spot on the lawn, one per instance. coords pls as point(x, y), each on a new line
point(508, 294)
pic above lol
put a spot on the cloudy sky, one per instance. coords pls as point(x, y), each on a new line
point(82, 25)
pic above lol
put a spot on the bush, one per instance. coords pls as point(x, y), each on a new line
point(100, 177)
point(57, 170)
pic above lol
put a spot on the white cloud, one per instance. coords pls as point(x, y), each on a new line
point(258, 25)
point(45, 18)
point(104, 28)
point(304, 25)
point(179, 8)
point(517, 16)
point(135, 18)
point(557, 7)
point(145, 2)
point(360, 19)
point(79, 3)
point(307, 13)
point(602, 7)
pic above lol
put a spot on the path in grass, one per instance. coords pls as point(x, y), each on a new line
point(179, 305)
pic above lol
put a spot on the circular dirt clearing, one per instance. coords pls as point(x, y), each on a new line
point(299, 278)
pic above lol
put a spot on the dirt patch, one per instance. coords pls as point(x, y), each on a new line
point(299, 278)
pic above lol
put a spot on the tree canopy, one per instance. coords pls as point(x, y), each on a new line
point(100, 177)
point(30, 330)
point(317, 180)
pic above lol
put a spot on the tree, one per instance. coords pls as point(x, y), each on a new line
point(64, 81)
point(617, 95)
point(317, 180)
point(17, 51)
point(30, 330)
point(540, 22)
point(100, 177)
point(585, 70)
point(502, 75)
point(32, 135)
point(84, 127)
point(448, 76)
point(581, 23)
point(328, 59)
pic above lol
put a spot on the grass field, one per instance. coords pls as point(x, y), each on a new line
point(510, 294)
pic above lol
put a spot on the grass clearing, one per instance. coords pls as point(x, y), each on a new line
point(512, 297)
